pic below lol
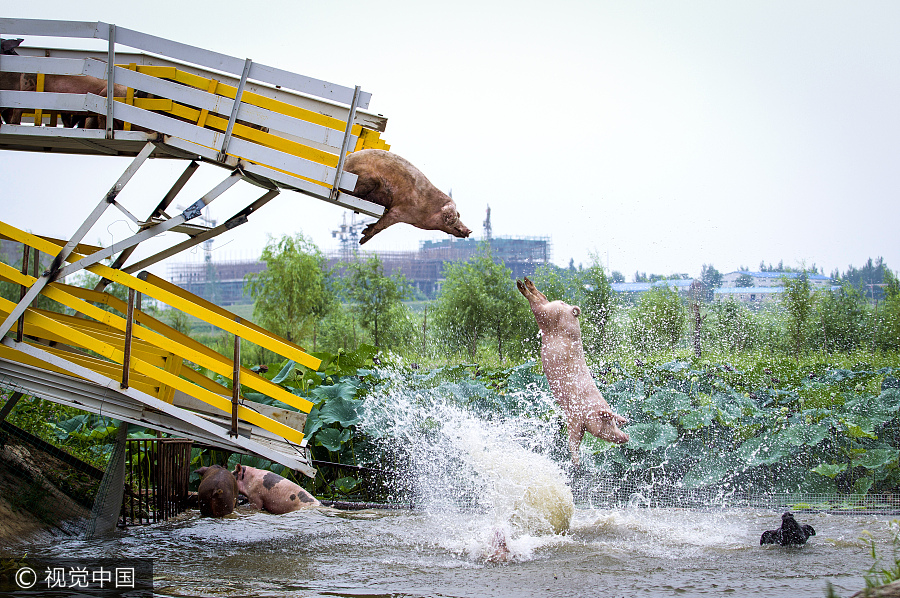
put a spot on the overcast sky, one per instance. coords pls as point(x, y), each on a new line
point(658, 136)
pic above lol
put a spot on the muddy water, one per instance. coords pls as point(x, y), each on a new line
point(478, 477)
point(630, 552)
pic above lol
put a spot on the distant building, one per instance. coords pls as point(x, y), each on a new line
point(752, 295)
point(223, 282)
point(766, 287)
point(772, 279)
point(682, 286)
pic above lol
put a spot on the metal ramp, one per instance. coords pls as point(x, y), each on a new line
point(275, 129)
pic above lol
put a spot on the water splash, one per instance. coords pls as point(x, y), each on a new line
point(487, 481)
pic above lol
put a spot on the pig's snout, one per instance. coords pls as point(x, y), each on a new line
point(462, 231)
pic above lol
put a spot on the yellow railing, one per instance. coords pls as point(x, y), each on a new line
point(157, 351)
point(366, 138)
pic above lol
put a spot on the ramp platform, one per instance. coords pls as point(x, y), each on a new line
point(148, 97)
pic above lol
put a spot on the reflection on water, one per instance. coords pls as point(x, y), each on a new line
point(629, 552)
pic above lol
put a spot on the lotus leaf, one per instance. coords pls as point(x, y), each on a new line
point(313, 422)
point(668, 403)
point(340, 411)
point(862, 485)
point(875, 458)
point(698, 418)
point(801, 434)
point(341, 390)
point(285, 372)
point(763, 450)
point(346, 485)
point(652, 435)
point(708, 471)
point(332, 438)
point(830, 470)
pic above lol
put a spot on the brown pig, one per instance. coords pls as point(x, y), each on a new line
point(562, 356)
point(270, 491)
point(392, 182)
point(218, 491)
point(70, 84)
point(9, 81)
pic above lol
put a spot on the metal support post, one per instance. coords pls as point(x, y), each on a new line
point(10, 404)
point(345, 146)
point(110, 84)
point(129, 322)
point(20, 326)
point(234, 110)
point(235, 384)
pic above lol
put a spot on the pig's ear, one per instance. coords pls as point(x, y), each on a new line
point(449, 214)
point(576, 311)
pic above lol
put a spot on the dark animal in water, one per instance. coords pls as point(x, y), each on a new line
point(790, 533)
point(218, 491)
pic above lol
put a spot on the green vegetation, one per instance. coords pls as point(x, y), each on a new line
point(797, 396)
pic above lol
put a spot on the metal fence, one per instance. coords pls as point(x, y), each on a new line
point(156, 480)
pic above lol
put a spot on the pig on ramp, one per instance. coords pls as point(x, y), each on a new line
point(9, 81)
point(390, 181)
point(271, 492)
point(562, 356)
point(218, 491)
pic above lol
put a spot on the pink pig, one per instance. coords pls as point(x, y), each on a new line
point(392, 182)
point(572, 385)
point(270, 491)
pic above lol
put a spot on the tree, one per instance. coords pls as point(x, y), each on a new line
point(377, 301)
point(841, 319)
point(598, 303)
point(658, 320)
point(711, 279)
point(887, 331)
point(744, 280)
point(292, 293)
point(798, 301)
point(616, 276)
point(478, 300)
point(872, 273)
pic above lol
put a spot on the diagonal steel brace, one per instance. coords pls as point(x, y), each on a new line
point(53, 272)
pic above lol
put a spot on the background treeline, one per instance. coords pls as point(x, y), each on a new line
point(479, 316)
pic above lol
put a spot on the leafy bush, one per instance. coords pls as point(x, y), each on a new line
point(658, 320)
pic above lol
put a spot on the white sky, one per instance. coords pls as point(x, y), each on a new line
point(663, 135)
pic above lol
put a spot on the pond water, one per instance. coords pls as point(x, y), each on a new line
point(481, 481)
point(625, 552)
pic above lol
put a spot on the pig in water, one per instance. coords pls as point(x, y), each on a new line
point(392, 182)
point(218, 491)
point(270, 491)
point(570, 380)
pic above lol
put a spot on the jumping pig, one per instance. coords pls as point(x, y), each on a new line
point(270, 491)
point(392, 182)
point(562, 356)
point(218, 491)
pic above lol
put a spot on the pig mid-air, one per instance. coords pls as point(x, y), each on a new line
point(562, 356)
point(271, 492)
point(390, 181)
point(218, 491)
